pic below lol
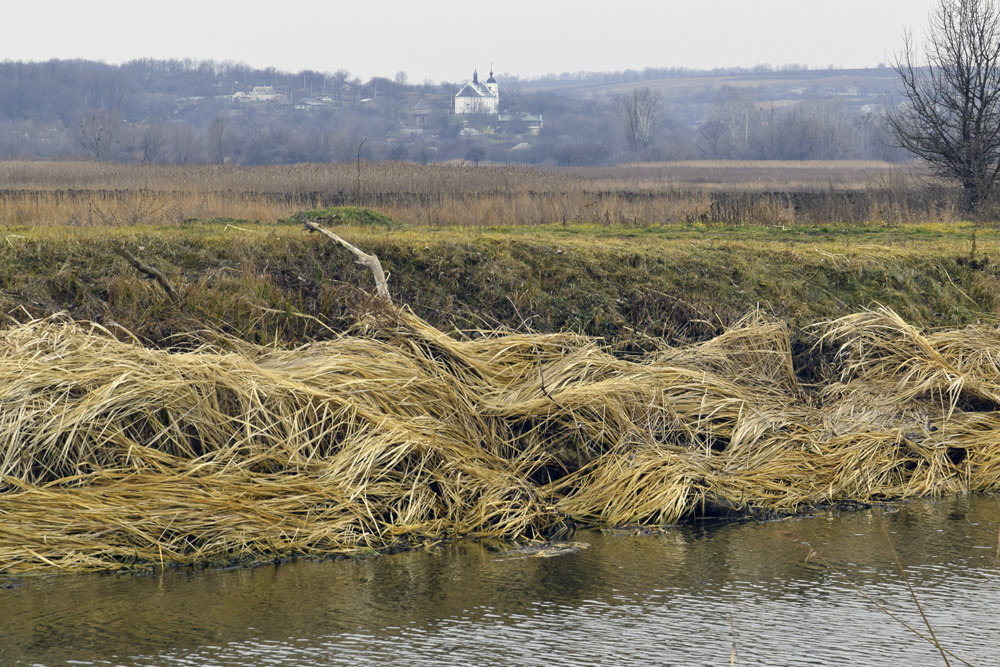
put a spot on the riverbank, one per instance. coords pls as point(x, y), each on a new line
point(278, 283)
point(265, 406)
point(120, 456)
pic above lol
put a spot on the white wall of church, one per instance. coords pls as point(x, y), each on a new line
point(473, 105)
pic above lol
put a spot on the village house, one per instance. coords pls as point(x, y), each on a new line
point(420, 112)
point(314, 103)
point(519, 123)
point(259, 94)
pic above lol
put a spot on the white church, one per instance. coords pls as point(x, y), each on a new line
point(478, 98)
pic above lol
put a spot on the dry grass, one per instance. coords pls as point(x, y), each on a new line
point(772, 175)
point(116, 455)
point(744, 193)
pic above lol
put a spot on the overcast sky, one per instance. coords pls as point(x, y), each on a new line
point(443, 40)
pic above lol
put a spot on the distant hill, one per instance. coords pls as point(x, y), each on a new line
point(688, 93)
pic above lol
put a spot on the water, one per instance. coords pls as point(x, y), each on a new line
point(688, 596)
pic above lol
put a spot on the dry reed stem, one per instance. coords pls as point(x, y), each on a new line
point(813, 554)
point(913, 594)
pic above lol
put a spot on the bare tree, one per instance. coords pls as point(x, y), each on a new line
point(341, 80)
point(641, 115)
point(475, 154)
point(152, 143)
point(184, 146)
point(222, 141)
point(712, 138)
point(951, 115)
point(100, 134)
point(737, 109)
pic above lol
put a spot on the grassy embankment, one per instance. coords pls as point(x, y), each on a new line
point(120, 453)
point(277, 281)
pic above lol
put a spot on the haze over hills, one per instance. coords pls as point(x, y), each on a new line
point(191, 111)
point(689, 93)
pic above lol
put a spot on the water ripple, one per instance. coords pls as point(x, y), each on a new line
point(691, 595)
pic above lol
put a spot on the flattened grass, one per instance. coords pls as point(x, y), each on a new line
point(118, 455)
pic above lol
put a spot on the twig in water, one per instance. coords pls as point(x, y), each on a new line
point(998, 532)
point(732, 633)
point(913, 594)
point(813, 554)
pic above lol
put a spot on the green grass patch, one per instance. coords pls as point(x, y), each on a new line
point(349, 215)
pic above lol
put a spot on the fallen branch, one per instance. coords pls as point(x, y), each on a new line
point(148, 271)
point(371, 261)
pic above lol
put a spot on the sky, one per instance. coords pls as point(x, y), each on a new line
point(438, 40)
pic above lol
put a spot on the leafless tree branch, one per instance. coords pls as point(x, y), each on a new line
point(951, 114)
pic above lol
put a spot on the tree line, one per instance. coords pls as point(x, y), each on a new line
point(183, 111)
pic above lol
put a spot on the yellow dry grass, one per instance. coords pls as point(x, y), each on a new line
point(732, 192)
point(119, 456)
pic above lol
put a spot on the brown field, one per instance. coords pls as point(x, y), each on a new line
point(737, 192)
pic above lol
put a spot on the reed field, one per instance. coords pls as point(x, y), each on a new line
point(564, 348)
point(744, 193)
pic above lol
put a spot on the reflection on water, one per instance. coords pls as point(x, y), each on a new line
point(681, 597)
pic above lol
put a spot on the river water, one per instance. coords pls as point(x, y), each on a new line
point(709, 594)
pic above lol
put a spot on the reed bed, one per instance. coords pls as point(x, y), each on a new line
point(119, 456)
point(726, 192)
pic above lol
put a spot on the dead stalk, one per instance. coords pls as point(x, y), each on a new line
point(732, 632)
point(998, 532)
point(813, 554)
